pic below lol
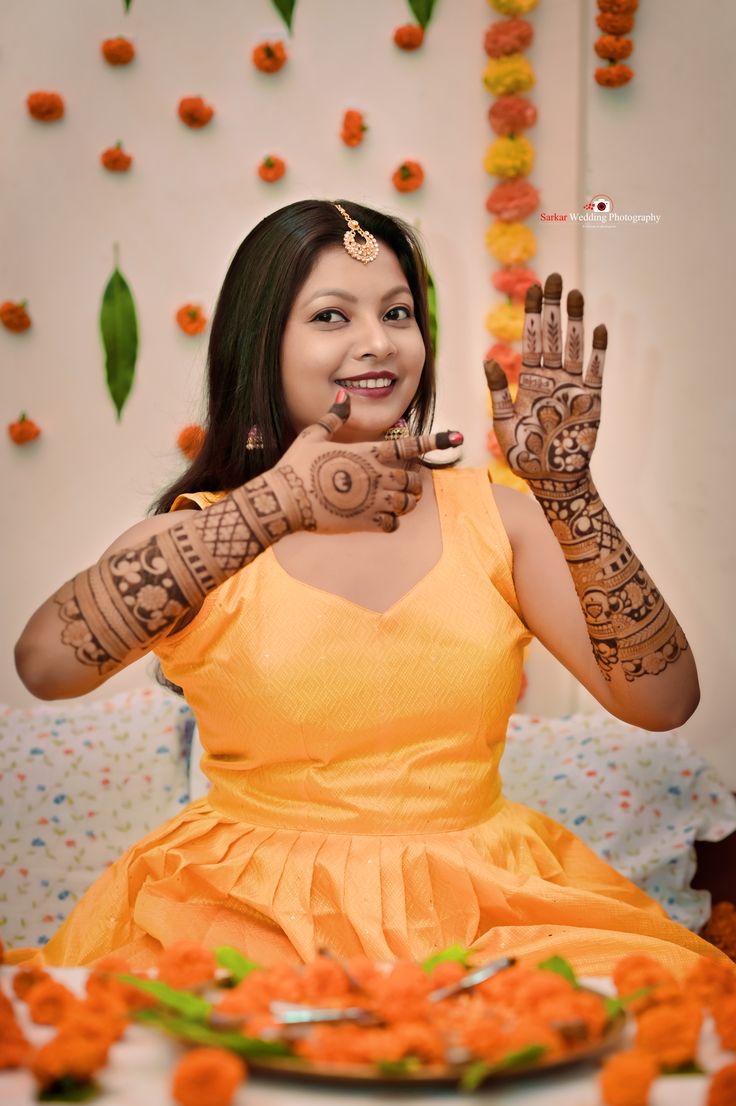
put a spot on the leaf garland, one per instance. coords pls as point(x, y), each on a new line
point(422, 11)
point(432, 313)
point(126, 5)
point(119, 329)
point(285, 8)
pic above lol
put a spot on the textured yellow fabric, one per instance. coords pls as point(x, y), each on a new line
point(356, 798)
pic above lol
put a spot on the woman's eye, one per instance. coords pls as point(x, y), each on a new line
point(324, 316)
point(399, 318)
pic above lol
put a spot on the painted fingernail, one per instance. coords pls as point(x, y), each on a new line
point(455, 437)
point(341, 396)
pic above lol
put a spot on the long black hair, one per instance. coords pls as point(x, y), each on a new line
point(243, 359)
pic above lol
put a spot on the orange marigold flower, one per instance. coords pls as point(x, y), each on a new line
point(284, 983)
point(207, 1077)
point(14, 1048)
point(101, 981)
point(190, 440)
point(409, 36)
point(401, 994)
point(115, 160)
point(27, 977)
point(626, 1078)
point(514, 281)
point(613, 47)
point(446, 973)
point(710, 980)
point(49, 1001)
point(612, 24)
point(637, 972)
point(324, 979)
point(250, 996)
point(75, 1058)
point(512, 200)
point(194, 111)
point(186, 964)
point(349, 1044)
point(47, 107)
point(118, 51)
point(269, 57)
point(722, 1089)
point(353, 128)
point(408, 177)
point(508, 36)
point(14, 316)
point(614, 76)
point(191, 318)
point(271, 169)
point(724, 1015)
point(618, 7)
point(363, 970)
point(99, 1017)
point(421, 1040)
point(512, 114)
point(670, 1033)
point(24, 430)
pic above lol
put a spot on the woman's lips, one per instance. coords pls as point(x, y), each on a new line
point(367, 389)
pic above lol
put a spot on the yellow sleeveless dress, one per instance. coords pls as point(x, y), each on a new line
point(356, 799)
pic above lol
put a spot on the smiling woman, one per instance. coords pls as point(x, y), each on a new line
point(349, 626)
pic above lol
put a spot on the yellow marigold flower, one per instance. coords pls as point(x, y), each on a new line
point(513, 7)
point(506, 322)
point(509, 157)
point(511, 243)
point(511, 73)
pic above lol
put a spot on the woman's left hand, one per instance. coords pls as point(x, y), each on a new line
point(550, 430)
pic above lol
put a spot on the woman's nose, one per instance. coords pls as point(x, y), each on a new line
point(374, 340)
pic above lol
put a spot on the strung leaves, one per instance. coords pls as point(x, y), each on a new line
point(422, 10)
point(285, 8)
point(126, 4)
point(432, 312)
point(119, 329)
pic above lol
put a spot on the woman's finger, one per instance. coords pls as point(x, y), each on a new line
point(406, 480)
point(397, 503)
point(551, 325)
point(498, 386)
point(386, 522)
point(594, 372)
point(531, 342)
point(404, 449)
point(574, 337)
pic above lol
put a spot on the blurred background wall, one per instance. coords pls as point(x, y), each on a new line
point(657, 145)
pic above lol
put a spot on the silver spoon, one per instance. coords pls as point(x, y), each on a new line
point(472, 979)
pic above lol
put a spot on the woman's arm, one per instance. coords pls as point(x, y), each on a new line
point(583, 590)
point(146, 584)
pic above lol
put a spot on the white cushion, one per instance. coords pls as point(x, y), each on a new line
point(639, 799)
point(78, 785)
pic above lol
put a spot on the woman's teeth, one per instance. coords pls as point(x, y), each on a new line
point(376, 382)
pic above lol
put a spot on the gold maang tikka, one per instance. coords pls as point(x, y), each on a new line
point(364, 251)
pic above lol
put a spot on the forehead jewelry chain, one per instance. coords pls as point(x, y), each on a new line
point(364, 251)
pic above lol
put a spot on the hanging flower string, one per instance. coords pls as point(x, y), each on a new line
point(615, 19)
point(510, 158)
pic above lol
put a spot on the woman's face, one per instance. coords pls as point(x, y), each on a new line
point(352, 321)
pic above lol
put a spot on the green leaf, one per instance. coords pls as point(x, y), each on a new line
point(455, 953)
point(432, 311)
point(399, 1067)
point(183, 1002)
point(561, 967)
point(69, 1090)
point(119, 328)
point(690, 1067)
point(616, 1006)
point(422, 10)
point(238, 965)
point(127, 4)
point(285, 8)
point(201, 1034)
point(474, 1075)
point(526, 1055)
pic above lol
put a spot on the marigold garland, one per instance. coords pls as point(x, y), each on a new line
point(353, 128)
point(269, 57)
point(615, 19)
point(409, 36)
point(191, 318)
point(115, 160)
point(510, 157)
point(408, 177)
point(21, 432)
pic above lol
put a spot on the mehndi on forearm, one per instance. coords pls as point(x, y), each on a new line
point(126, 601)
point(628, 621)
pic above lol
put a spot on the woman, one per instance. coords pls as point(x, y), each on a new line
point(348, 625)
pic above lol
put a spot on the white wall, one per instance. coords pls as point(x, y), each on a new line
point(192, 196)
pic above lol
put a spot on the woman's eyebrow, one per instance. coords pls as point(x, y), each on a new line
point(354, 299)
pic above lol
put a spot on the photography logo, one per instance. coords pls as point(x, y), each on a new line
point(599, 212)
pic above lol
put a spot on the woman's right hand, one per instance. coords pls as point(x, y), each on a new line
point(336, 488)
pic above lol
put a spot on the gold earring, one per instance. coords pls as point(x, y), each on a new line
point(255, 438)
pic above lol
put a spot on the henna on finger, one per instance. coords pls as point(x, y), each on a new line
point(386, 522)
point(531, 343)
point(594, 372)
point(574, 338)
point(551, 325)
point(343, 482)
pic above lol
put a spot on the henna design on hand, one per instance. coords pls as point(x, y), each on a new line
point(551, 328)
point(343, 483)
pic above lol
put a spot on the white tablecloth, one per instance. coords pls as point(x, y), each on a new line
point(139, 1074)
